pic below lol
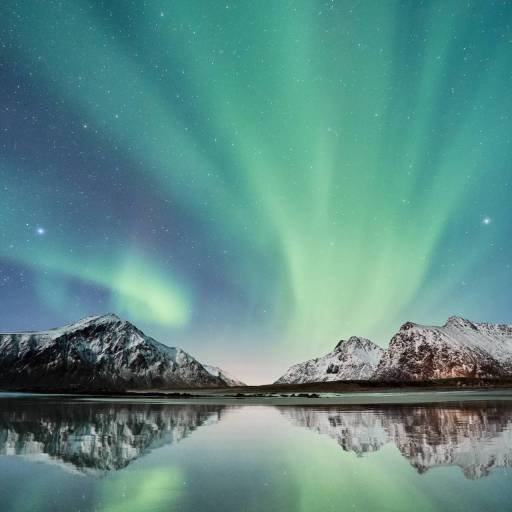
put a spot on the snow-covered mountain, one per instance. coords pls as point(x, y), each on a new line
point(225, 376)
point(460, 348)
point(98, 352)
point(353, 359)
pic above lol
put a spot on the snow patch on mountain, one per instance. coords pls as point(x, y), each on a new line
point(225, 376)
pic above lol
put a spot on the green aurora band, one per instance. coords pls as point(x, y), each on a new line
point(338, 158)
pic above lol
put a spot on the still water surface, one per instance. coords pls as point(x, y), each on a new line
point(62, 454)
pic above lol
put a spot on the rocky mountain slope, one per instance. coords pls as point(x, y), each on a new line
point(225, 376)
point(353, 359)
point(99, 352)
point(460, 348)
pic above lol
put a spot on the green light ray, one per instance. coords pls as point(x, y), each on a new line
point(139, 286)
point(333, 140)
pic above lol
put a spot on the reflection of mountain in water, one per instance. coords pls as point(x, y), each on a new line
point(475, 437)
point(105, 436)
point(96, 436)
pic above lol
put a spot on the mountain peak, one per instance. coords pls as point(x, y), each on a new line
point(353, 342)
point(94, 321)
point(108, 317)
point(458, 321)
point(454, 321)
point(407, 326)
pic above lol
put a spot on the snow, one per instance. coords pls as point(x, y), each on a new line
point(225, 376)
point(493, 338)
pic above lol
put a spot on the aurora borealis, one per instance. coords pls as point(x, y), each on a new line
point(253, 181)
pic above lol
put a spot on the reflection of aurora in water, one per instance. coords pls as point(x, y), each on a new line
point(107, 436)
point(131, 455)
point(477, 438)
point(272, 175)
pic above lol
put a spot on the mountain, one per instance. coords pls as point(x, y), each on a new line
point(353, 359)
point(98, 352)
point(225, 376)
point(460, 348)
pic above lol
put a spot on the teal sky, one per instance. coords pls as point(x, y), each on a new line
point(254, 181)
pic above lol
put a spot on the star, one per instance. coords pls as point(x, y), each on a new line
point(40, 231)
point(486, 221)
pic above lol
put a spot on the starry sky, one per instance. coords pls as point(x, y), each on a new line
point(253, 181)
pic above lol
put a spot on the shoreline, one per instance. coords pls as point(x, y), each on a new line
point(338, 387)
point(331, 393)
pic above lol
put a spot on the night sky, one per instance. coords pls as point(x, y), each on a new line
point(255, 180)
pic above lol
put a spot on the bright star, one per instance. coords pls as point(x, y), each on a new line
point(486, 221)
point(40, 231)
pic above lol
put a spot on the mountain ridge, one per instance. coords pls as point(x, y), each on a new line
point(97, 352)
point(107, 353)
point(458, 349)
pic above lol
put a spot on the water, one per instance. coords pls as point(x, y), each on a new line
point(64, 454)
